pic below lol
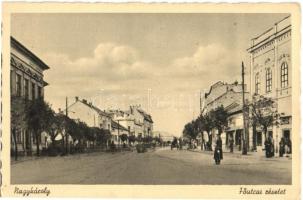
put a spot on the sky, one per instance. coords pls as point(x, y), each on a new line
point(158, 61)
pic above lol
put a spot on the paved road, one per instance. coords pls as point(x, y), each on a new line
point(162, 166)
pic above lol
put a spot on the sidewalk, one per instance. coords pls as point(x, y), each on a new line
point(238, 154)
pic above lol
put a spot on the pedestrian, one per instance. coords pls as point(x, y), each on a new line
point(218, 153)
point(268, 147)
point(231, 145)
point(282, 147)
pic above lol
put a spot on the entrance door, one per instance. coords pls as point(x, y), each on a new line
point(238, 138)
point(286, 134)
point(259, 138)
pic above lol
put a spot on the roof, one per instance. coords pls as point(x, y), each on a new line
point(146, 116)
point(16, 44)
point(116, 125)
point(281, 27)
point(234, 107)
point(95, 108)
point(221, 90)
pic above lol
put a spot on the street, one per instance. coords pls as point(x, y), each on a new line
point(161, 166)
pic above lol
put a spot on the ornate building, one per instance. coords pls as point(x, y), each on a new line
point(270, 70)
point(26, 76)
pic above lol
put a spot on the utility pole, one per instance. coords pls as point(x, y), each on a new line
point(200, 103)
point(244, 110)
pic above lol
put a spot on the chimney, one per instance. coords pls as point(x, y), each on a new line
point(77, 98)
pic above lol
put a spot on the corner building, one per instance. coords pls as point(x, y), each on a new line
point(270, 76)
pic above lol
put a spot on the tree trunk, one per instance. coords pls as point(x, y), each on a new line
point(30, 144)
point(15, 141)
point(203, 147)
point(210, 140)
point(37, 142)
point(66, 143)
point(265, 132)
point(254, 137)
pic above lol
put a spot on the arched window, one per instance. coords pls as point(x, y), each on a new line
point(257, 83)
point(268, 80)
point(284, 75)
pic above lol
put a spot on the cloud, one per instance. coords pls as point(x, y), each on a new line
point(119, 69)
point(209, 61)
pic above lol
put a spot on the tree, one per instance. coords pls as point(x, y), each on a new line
point(123, 137)
point(191, 130)
point(207, 124)
point(56, 127)
point(18, 119)
point(263, 112)
point(103, 137)
point(220, 118)
point(131, 139)
point(39, 118)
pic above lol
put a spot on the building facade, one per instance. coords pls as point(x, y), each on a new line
point(26, 76)
point(86, 112)
point(135, 120)
point(117, 131)
point(230, 97)
point(270, 70)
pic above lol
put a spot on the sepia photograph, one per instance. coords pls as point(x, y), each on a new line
point(145, 98)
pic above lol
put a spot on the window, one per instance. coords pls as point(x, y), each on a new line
point(33, 91)
point(26, 88)
point(18, 85)
point(39, 92)
point(284, 75)
point(257, 83)
point(268, 80)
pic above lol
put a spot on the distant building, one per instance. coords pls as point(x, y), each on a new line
point(147, 123)
point(117, 131)
point(135, 120)
point(271, 70)
point(26, 81)
point(86, 112)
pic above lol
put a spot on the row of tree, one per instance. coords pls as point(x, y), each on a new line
point(214, 119)
point(37, 116)
point(261, 112)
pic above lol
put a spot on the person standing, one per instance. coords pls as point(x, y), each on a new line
point(231, 145)
point(282, 147)
point(218, 153)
